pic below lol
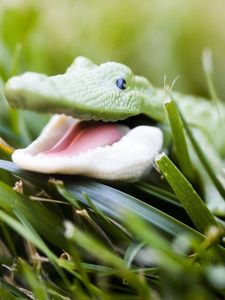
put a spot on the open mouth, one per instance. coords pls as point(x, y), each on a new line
point(102, 150)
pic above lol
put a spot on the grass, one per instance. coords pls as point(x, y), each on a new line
point(75, 238)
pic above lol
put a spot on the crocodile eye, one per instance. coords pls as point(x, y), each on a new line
point(121, 83)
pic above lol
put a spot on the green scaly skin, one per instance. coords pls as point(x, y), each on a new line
point(87, 91)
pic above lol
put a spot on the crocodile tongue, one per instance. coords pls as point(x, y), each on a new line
point(83, 136)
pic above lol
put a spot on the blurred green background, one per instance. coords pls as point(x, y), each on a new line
point(153, 37)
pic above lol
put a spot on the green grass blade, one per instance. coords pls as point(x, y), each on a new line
point(6, 295)
point(179, 139)
point(191, 201)
point(95, 247)
point(43, 220)
point(131, 252)
point(15, 60)
point(27, 234)
point(113, 203)
point(158, 192)
point(208, 71)
point(5, 150)
point(37, 285)
point(207, 63)
point(102, 219)
point(167, 258)
point(7, 237)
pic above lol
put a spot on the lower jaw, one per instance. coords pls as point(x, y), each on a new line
point(129, 158)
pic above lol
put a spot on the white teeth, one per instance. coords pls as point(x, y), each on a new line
point(128, 159)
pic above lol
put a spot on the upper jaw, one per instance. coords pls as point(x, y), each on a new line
point(66, 94)
point(31, 91)
point(129, 158)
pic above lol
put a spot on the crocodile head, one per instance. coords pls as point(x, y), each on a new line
point(79, 138)
point(108, 92)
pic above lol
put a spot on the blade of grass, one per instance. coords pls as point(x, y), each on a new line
point(131, 252)
point(113, 203)
point(5, 150)
point(89, 222)
point(15, 59)
point(4, 294)
point(3, 101)
point(65, 194)
point(30, 234)
point(94, 247)
point(113, 227)
point(8, 135)
point(191, 201)
point(158, 192)
point(179, 139)
point(8, 239)
point(166, 256)
point(59, 293)
point(83, 271)
point(27, 234)
point(56, 295)
point(207, 65)
point(44, 221)
point(37, 285)
point(97, 211)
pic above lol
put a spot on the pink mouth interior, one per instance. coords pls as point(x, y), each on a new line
point(84, 136)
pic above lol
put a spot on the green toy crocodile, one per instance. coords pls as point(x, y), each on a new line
point(107, 149)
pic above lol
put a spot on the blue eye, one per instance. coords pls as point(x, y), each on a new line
point(121, 83)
